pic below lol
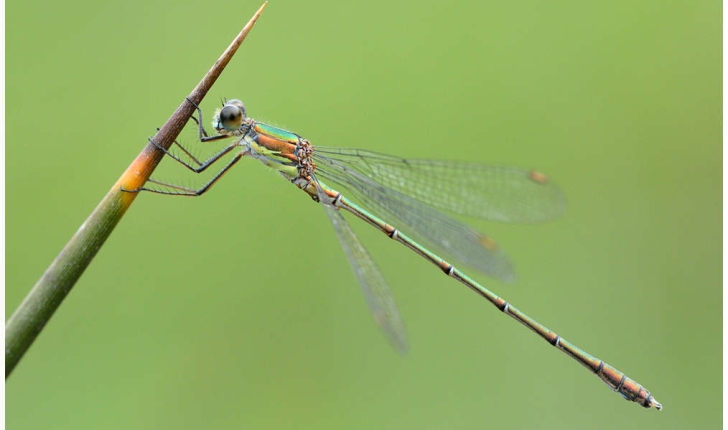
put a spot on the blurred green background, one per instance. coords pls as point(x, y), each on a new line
point(238, 309)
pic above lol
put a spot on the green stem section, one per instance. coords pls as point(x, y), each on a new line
point(48, 293)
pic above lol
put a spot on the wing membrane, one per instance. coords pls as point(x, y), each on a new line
point(424, 223)
point(499, 193)
point(376, 291)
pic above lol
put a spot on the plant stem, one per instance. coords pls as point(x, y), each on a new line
point(43, 300)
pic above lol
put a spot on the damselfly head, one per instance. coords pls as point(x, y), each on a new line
point(230, 117)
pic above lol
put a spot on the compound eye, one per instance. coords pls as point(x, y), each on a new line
point(231, 118)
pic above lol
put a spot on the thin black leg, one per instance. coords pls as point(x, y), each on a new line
point(179, 145)
point(202, 133)
point(189, 154)
point(202, 166)
point(189, 192)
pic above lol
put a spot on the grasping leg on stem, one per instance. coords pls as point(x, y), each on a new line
point(201, 167)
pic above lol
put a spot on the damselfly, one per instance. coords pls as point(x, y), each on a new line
point(413, 192)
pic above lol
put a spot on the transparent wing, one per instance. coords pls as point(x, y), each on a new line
point(425, 224)
point(498, 193)
point(376, 291)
